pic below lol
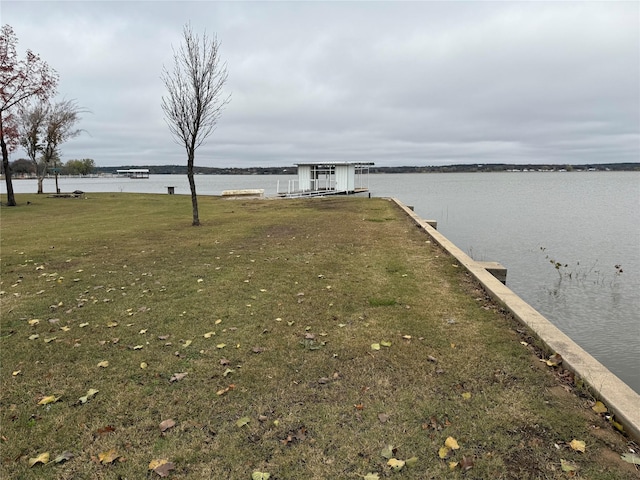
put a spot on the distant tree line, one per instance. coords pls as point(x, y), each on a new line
point(24, 167)
point(495, 167)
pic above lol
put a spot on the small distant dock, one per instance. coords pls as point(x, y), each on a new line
point(134, 173)
point(328, 178)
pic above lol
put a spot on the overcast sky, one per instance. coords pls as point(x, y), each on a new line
point(396, 83)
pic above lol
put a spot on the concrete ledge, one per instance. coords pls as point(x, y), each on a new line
point(619, 398)
point(248, 192)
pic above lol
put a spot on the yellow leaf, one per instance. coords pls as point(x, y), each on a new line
point(209, 334)
point(153, 464)
point(82, 325)
point(221, 345)
point(47, 400)
point(466, 395)
point(451, 443)
point(375, 346)
point(143, 331)
point(34, 321)
point(138, 347)
point(35, 336)
point(65, 328)
point(396, 464)
point(108, 456)
point(578, 445)
point(143, 365)
point(103, 364)
point(49, 340)
point(599, 407)
point(42, 458)
point(112, 324)
point(443, 452)
point(218, 321)
point(453, 465)
point(16, 373)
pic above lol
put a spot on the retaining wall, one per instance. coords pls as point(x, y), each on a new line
point(619, 398)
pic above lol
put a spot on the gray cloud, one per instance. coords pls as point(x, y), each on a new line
point(397, 83)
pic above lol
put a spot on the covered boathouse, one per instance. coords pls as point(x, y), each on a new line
point(328, 178)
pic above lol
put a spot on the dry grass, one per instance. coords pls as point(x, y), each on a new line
point(297, 292)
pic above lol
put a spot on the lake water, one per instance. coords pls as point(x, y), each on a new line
point(588, 221)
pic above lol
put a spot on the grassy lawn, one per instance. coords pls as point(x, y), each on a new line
point(305, 339)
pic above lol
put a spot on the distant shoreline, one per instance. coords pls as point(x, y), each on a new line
point(495, 167)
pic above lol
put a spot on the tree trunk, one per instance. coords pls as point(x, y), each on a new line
point(40, 180)
point(11, 199)
point(192, 185)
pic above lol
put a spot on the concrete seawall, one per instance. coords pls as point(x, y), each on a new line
point(619, 398)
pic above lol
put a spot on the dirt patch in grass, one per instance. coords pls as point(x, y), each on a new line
point(294, 338)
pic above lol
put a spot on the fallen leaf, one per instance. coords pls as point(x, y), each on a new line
point(167, 424)
point(138, 347)
point(218, 322)
point(578, 445)
point(243, 421)
point(16, 373)
point(106, 430)
point(108, 456)
point(35, 336)
point(48, 399)
point(554, 360)
point(65, 328)
point(221, 346)
point(143, 365)
point(443, 452)
point(396, 464)
point(385, 344)
point(466, 463)
point(375, 346)
point(209, 334)
point(186, 343)
point(453, 465)
point(161, 467)
point(383, 417)
point(371, 476)
point(63, 457)
point(34, 322)
point(451, 443)
point(90, 393)
point(112, 324)
point(260, 475)
point(142, 332)
point(42, 458)
point(566, 466)
point(631, 458)
point(388, 452)
point(466, 395)
point(410, 462)
point(82, 325)
point(103, 364)
point(177, 377)
point(599, 407)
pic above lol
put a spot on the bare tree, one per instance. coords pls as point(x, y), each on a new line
point(194, 98)
point(32, 121)
point(20, 80)
point(59, 128)
point(43, 128)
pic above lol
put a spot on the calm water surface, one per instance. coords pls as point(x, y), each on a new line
point(589, 221)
